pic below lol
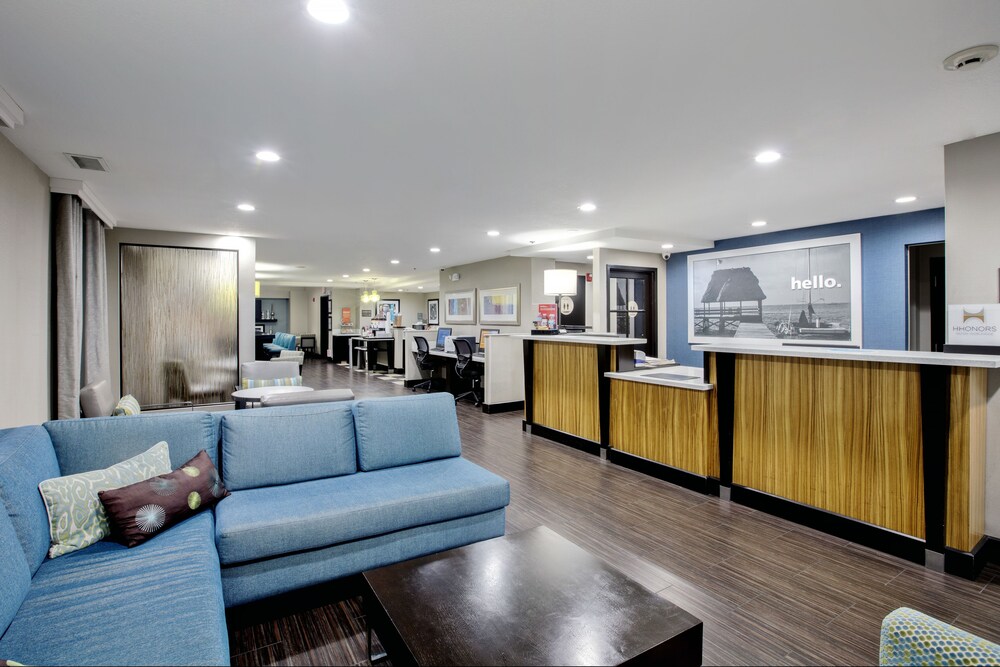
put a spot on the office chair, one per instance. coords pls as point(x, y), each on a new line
point(422, 356)
point(466, 369)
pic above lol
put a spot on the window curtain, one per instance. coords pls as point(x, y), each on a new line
point(81, 304)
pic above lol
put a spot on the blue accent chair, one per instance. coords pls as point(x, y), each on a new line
point(282, 341)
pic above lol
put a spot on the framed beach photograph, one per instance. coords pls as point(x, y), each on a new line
point(432, 311)
point(460, 307)
point(500, 306)
point(803, 293)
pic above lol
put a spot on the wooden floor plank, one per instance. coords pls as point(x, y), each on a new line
point(769, 591)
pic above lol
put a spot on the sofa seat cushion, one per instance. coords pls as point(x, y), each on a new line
point(261, 523)
point(159, 603)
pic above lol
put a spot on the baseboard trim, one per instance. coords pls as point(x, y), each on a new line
point(494, 408)
point(688, 480)
point(969, 564)
point(576, 442)
point(876, 537)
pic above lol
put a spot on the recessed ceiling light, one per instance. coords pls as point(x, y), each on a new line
point(421, 287)
point(435, 249)
point(346, 275)
point(268, 156)
point(758, 223)
point(587, 207)
point(329, 280)
point(394, 261)
point(667, 246)
point(366, 270)
point(329, 11)
point(905, 200)
point(246, 207)
point(493, 232)
point(767, 157)
point(590, 257)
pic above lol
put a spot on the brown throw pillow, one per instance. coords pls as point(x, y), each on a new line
point(139, 511)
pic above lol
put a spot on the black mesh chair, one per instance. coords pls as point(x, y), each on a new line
point(424, 363)
point(466, 369)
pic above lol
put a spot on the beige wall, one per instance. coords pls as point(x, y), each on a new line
point(26, 396)
point(490, 274)
point(247, 259)
point(972, 260)
point(604, 257)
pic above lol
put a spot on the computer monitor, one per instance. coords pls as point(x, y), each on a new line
point(483, 333)
point(443, 333)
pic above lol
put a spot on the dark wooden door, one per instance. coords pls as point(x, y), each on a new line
point(325, 325)
point(632, 304)
point(938, 305)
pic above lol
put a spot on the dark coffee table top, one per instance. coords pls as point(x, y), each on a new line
point(530, 598)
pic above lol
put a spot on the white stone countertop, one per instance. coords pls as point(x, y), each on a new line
point(587, 340)
point(661, 376)
point(851, 354)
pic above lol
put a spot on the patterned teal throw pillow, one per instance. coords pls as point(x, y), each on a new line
point(127, 406)
point(76, 515)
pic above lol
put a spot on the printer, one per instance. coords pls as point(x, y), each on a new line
point(449, 343)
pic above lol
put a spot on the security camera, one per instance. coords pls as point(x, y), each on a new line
point(665, 256)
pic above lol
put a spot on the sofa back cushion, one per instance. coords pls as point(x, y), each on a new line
point(14, 575)
point(92, 444)
point(408, 429)
point(272, 446)
point(27, 458)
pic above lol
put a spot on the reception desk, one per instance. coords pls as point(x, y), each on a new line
point(566, 394)
point(886, 448)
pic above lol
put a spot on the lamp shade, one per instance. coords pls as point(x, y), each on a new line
point(559, 282)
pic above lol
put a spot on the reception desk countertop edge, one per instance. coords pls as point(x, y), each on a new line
point(696, 384)
point(852, 354)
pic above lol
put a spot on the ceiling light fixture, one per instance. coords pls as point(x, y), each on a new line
point(493, 232)
point(758, 223)
point(366, 270)
point(394, 261)
point(334, 12)
point(346, 275)
point(667, 246)
point(590, 257)
point(905, 199)
point(587, 207)
point(767, 157)
point(246, 207)
point(435, 249)
point(421, 287)
point(268, 156)
point(329, 280)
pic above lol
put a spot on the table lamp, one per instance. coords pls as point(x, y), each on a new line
point(559, 283)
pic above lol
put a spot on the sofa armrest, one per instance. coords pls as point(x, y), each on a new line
point(912, 638)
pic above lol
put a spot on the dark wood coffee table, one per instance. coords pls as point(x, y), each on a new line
point(531, 598)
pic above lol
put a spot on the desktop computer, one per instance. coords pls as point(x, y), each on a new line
point(443, 333)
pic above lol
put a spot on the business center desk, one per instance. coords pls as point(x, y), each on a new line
point(884, 448)
point(566, 394)
point(503, 380)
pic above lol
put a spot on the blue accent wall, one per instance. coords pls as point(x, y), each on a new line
point(883, 275)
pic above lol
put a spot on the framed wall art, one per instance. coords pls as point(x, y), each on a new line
point(432, 311)
point(500, 306)
point(805, 292)
point(460, 307)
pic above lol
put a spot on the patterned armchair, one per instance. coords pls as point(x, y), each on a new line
point(912, 638)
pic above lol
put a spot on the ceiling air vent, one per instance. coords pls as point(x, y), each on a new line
point(88, 162)
point(971, 58)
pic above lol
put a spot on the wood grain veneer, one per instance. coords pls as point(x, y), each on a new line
point(843, 436)
point(668, 425)
point(965, 519)
point(566, 391)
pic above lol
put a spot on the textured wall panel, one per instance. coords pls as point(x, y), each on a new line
point(179, 324)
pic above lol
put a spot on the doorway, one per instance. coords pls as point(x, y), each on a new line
point(632, 304)
point(926, 311)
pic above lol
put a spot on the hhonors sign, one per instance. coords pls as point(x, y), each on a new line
point(806, 292)
point(975, 324)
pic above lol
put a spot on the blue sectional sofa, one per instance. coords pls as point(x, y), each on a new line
point(319, 492)
point(282, 341)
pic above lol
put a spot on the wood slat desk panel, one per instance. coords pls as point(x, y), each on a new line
point(843, 436)
point(566, 391)
point(965, 522)
point(669, 425)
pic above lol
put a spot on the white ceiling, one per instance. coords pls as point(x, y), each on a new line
point(429, 122)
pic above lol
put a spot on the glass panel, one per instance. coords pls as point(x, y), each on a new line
point(621, 323)
point(639, 293)
point(621, 294)
point(638, 326)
